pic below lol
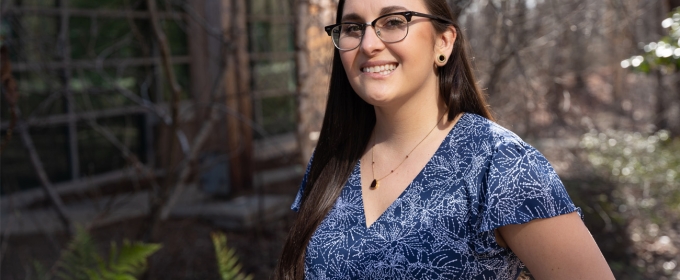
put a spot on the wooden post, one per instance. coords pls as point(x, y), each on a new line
point(205, 53)
point(244, 93)
point(314, 55)
point(198, 51)
point(237, 91)
point(65, 55)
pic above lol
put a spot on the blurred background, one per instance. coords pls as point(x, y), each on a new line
point(165, 139)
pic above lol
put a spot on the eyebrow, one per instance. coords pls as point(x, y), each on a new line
point(383, 11)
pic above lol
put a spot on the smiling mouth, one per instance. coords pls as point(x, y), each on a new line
point(381, 69)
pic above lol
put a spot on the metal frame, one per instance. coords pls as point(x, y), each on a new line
point(65, 67)
point(258, 95)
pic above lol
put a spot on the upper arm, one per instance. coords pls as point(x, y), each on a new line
point(560, 247)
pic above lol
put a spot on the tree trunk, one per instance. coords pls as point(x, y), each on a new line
point(314, 55)
point(238, 97)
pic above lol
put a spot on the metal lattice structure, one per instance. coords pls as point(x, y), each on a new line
point(96, 105)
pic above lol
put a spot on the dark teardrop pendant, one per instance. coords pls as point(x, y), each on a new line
point(374, 184)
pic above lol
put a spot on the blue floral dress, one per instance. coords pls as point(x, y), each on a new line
point(482, 177)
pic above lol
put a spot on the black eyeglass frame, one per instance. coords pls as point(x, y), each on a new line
point(407, 14)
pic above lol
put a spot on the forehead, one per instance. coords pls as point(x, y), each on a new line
point(371, 9)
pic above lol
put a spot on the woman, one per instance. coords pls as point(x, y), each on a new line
point(411, 179)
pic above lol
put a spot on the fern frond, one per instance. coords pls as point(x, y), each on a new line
point(81, 260)
point(227, 261)
point(131, 259)
point(40, 270)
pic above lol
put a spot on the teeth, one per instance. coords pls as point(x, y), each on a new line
point(382, 69)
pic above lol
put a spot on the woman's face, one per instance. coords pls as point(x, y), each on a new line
point(411, 59)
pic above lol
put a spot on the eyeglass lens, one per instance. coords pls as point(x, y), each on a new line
point(389, 29)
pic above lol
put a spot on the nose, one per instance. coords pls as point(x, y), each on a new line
point(371, 44)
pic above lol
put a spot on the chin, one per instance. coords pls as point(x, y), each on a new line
point(377, 98)
point(376, 94)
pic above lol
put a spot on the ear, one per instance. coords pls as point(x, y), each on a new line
point(444, 45)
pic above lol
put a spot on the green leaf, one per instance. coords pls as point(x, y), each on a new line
point(227, 261)
point(80, 260)
point(667, 47)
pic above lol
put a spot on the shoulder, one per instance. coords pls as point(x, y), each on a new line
point(485, 132)
point(517, 183)
point(298, 198)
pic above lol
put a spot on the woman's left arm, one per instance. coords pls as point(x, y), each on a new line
point(560, 247)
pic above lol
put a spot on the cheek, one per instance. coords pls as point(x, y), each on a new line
point(424, 40)
point(420, 61)
point(347, 61)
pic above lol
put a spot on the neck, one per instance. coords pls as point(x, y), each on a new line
point(409, 121)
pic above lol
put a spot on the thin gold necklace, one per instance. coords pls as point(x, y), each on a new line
point(376, 182)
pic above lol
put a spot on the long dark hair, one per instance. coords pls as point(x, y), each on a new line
point(346, 130)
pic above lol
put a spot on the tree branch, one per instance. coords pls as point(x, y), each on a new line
point(158, 199)
point(9, 84)
point(42, 176)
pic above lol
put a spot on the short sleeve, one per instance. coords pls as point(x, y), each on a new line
point(520, 186)
point(298, 198)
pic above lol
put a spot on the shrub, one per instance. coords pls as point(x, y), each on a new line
point(81, 260)
point(227, 262)
point(645, 172)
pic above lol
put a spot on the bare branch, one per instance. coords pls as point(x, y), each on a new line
point(42, 176)
point(9, 84)
point(159, 199)
point(179, 185)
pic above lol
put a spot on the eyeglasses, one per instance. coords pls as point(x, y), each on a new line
point(390, 28)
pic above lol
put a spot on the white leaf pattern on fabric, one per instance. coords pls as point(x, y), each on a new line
point(482, 177)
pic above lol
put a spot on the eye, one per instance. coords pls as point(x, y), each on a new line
point(351, 30)
point(393, 22)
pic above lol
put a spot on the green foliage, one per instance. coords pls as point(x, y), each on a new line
point(40, 271)
point(227, 261)
point(82, 261)
point(664, 54)
point(645, 166)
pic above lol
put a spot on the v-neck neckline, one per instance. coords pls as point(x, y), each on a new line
point(408, 187)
